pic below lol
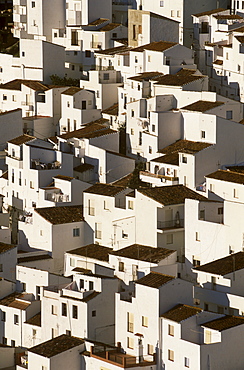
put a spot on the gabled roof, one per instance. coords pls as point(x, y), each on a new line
point(123, 181)
point(89, 129)
point(16, 85)
point(112, 111)
point(109, 27)
point(104, 189)
point(61, 215)
point(155, 46)
point(72, 90)
point(65, 178)
point(56, 346)
point(14, 299)
point(225, 265)
point(173, 194)
point(154, 280)
point(96, 251)
point(143, 253)
point(185, 146)
point(203, 105)
point(172, 158)
point(146, 76)
point(226, 175)
point(209, 12)
point(177, 80)
point(181, 312)
point(98, 22)
point(224, 323)
point(113, 51)
point(21, 139)
point(4, 247)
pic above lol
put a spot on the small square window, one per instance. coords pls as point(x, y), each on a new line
point(132, 132)
point(170, 355)
point(23, 54)
point(55, 34)
point(184, 159)
point(33, 4)
point(197, 236)
point(88, 54)
point(94, 313)
point(220, 211)
point(16, 319)
point(5, 97)
point(76, 232)
point(121, 266)
point(161, 3)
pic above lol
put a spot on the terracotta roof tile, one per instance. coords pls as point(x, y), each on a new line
point(154, 280)
point(104, 189)
point(35, 320)
point(218, 62)
point(98, 22)
point(172, 158)
point(16, 85)
point(4, 247)
point(173, 194)
point(143, 253)
point(96, 251)
point(8, 300)
point(109, 27)
point(84, 167)
point(61, 215)
point(209, 12)
point(71, 90)
point(224, 323)
point(21, 139)
point(228, 16)
point(56, 346)
point(146, 76)
point(21, 305)
point(116, 50)
point(225, 265)
point(155, 46)
point(177, 80)
point(229, 176)
point(181, 312)
point(203, 105)
point(88, 129)
point(112, 111)
point(185, 146)
point(65, 178)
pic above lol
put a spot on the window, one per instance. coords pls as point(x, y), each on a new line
point(98, 231)
point(54, 310)
point(202, 214)
point(169, 239)
point(138, 87)
point(229, 114)
point(75, 53)
point(170, 355)
point(161, 3)
point(13, 97)
point(184, 159)
point(91, 285)
point(3, 318)
point(187, 362)
point(149, 58)
point(145, 321)
point(12, 175)
point(74, 124)
point(150, 349)
point(205, 306)
point(211, 187)
point(76, 232)
point(94, 313)
point(171, 330)
point(208, 336)
point(105, 205)
point(132, 132)
point(24, 287)
point(31, 185)
point(130, 342)
point(64, 309)
point(5, 97)
point(140, 138)
point(130, 204)
point(33, 4)
point(124, 235)
point(33, 332)
point(72, 262)
point(16, 319)
point(5, 341)
point(121, 266)
point(195, 262)
point(74, 37)
point(68, 332)
point(12, 343)
point(172, 13)
point(134, 31)
point(238, 68)
point(88, 54)
point(82, 284)
point(54, 333)
point(75, 312)
point(150, 150)
point(197, 236)
point(1, 267)
point(132, 113)
point(153, 128)
point(106, 76)
point(227, 56)
point(242, 4)
point(1, 69)
point(203, 134)
point(220, 211)
point(130, 322)
point(20, 182)
point(178, 13)
point(23, 53)
point(140, 28)
point(235, 193)
point(91, 208)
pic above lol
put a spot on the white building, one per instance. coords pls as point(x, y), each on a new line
point(8, 261)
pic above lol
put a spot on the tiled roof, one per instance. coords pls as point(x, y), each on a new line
point(209, 12)
point(90, 296)
point(155, 280)
point(4, 247)
point(5, 175)
point(35, 320)
point(84, 167)
point(109, 27)
point(228, 16)
point(240, 39)
point(218, 62)
point(224, 323)
point(146, 76)
point(173, 194)
point(116, 50)
point(65, 178)
point(39, 257)
point(112, 111)
point(143, 253)
point(96, 251)
point(21, 139)
point(172, 158)
point(229, 176)
point(186, 72)
point(239, 169)
point(98, 22)
point(104, 189)
point(185, 146)
point(61, 215)
point(203, 105)
point(56, 346)
point(10, 111)
point(177, 80)
point(11, 298)
point(21, 305)
point(88, 129)
point(181, 312)
point(225, 265)
point(155, 46)
point(124, 181)
point(16, 85)
point(71, 90)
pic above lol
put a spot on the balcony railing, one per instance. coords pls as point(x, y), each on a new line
point(57, 197)
point(172, 224)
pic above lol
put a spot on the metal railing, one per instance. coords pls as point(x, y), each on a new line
point(172, 224)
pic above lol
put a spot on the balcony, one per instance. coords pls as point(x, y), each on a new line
point(169, 225)
point(123, 360)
